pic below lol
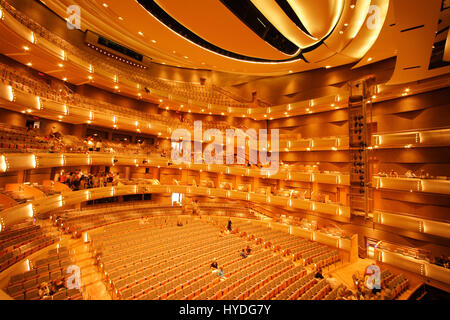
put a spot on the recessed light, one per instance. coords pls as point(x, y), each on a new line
point(154, 41)
point(29, 64)
point(120, 18)
point(369, 59)
point(60, 117)
point(290, 71)
point(60, 65)
point(341, 32)
point(105, 5)
point(352, 6)
point(186, 57)
point(64, 79)
point(140, 33)
point(327, 67)
point(26, 48)
point(116, 87)
point(90, 77)
point(160, 100)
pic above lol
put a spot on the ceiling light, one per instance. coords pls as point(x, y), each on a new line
point(60, 117)
point(116, 87)
point(105, 5)
point(89, 121)
point(29, 64)
point(369, 59)
point(222, 113)
point(154, 41)
point(60, 65)
point(290, 71)
point(160, 100)
point(186, 57)
point(140, 33)
point(327, 67)
point(332, 104)
point(352, 6)
point(120, 18)
point(345, 24)
point(26, 48)
point(159, 133)
point(28, 110)
point(167, 108)
point(64, 79)
point(407, 89)
point(265, 116)
point(341, 32)
point(90, 77)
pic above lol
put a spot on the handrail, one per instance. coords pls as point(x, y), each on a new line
point(22, 212)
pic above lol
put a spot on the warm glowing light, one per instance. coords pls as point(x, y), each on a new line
point(26, 48)
point(105, 5)
point(3, 165)
point(10, 93)
point(29, 64)
point(60, 65)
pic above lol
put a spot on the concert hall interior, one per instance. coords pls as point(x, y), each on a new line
point(224, 150)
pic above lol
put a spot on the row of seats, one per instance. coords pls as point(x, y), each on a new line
point(25, 285)
point(398, 285)
point(27, 241)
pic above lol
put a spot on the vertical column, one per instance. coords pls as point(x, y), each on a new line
point(359, 116)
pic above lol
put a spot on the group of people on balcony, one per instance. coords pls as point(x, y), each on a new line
point(408, 174)
point(78, 180)
point(442, 261)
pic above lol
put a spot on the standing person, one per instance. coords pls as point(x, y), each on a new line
point(229, 224)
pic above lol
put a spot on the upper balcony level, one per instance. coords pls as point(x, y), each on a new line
point(47, 50)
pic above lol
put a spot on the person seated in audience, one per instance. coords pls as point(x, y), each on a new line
point(229, 225)
point(409, 174)
point(214, 264)
point(393, 174)
point(318, 274)
point(243, 255)
point(221, 273)
point(332, 281)
point(179, 223)
point(60, 284)
point(248, 250)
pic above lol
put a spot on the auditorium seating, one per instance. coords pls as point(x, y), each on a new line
point(54, 266)
point(19, 242)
